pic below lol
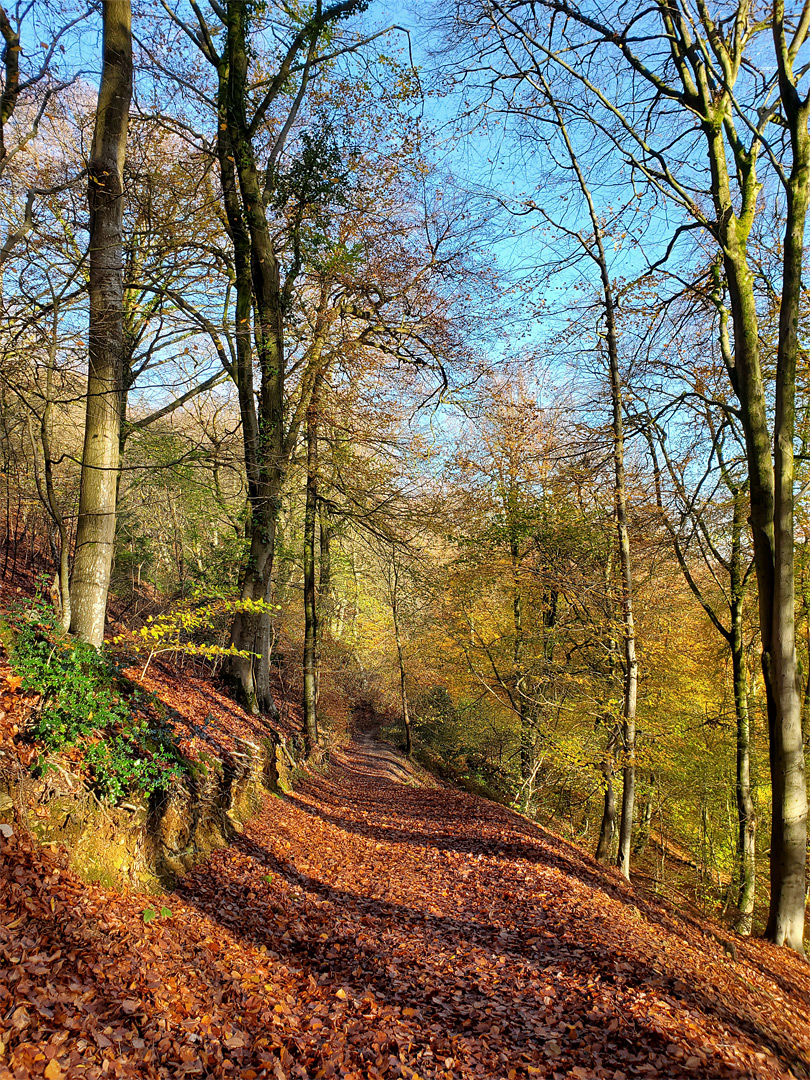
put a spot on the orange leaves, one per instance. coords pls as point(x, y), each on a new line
point(372, 930)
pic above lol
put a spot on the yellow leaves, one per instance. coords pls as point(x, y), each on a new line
point(175, 631)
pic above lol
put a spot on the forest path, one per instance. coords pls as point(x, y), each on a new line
point(429, 931)
point(377, 924)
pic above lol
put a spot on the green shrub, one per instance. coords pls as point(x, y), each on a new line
point(86, 702)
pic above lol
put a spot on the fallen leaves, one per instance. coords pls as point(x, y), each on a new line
point(368, 929)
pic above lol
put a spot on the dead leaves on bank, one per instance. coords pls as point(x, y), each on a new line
point(368, 929)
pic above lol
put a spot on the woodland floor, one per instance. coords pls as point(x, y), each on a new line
point(377, 924)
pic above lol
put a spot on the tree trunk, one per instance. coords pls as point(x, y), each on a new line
point(310, 600)
point(596, 250)
point(630, 663)
point(259, 294)
point(746, 816)
point(788, 785)
point(406, 718)
point(642, 837)
point(59, 519)
point(47, 495)
point(518, 674)
point(251, 631)
point(95, 537)
point(628, 625)
point(325, 567)
point(608, 827)
point(771, 502)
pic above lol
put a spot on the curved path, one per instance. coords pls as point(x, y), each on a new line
point(375, 924)
point(437, 934)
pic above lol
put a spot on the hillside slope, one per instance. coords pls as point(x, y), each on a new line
point(371, 925)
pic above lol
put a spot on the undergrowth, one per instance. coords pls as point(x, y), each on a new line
point(85, 702)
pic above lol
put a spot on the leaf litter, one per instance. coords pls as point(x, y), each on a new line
point(377, 925)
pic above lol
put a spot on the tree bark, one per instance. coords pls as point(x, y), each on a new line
point(11, 88)
point(406, 717)
point(607, 828)
point(594, 248)
point(268, 441)
point(518, 673)
point(746, 815)
point(628, 625)
point(95, 536)
point(310, 598)
point(325, 567)
point(258, 294)
point(786, 916)
point(630, 688)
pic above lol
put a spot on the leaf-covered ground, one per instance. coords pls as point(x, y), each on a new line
point(374, 925)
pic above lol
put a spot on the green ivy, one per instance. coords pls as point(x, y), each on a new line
point(86, 702)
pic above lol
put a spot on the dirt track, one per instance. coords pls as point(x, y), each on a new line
point(375, 924)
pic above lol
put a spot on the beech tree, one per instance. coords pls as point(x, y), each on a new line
point(267, 266)
point(311, 614)
point(95, 535)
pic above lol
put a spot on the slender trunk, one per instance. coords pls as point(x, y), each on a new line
point(177, 543)
point(628, 625)
point(746, 816)
point(518, 674)
point(645, 821)
point(607, 828)
point(95, 536)
point(596, 250)
point(49, 499)
point(406, 718)
point(59, 520)
point(642, 837)
point(310, 604)
point(324, 593)
point(325, 567)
